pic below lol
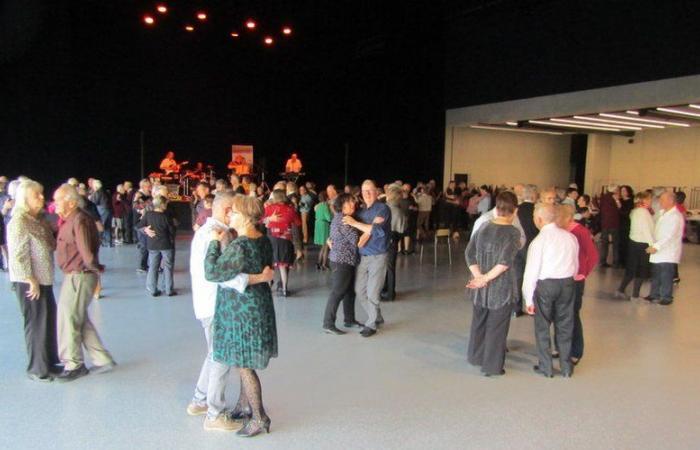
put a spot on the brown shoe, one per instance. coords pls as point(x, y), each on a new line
point(194, 409)
point(222, 423)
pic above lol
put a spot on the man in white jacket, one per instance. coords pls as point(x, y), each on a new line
point(666, 250)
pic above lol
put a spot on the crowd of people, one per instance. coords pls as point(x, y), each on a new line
point(529, 251)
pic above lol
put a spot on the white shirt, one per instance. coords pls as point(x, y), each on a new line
point(553, 254)
point(489, 216)
point(668, 237)
point(642, 226)
point(203, 291)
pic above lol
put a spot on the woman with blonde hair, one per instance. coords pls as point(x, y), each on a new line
point(244, 326)
point(31, 245)
point(641, 236)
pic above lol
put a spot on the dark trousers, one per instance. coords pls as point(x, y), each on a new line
point(554, 304)
point(106, 219)
point(610, 236)
point(636, 267)
point(143, 250)
point(662, 280)
point(519, 266)
point(39, 328)
point(577, 337)
point(343, 288)
point(129, 226)
point(487, 338)
point(389, 290)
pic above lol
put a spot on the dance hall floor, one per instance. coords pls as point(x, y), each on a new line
point(408, 387)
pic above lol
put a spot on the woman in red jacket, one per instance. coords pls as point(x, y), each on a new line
point(280, 216)
point(587, 259)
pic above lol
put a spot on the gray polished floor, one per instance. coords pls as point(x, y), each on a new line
point(408, 387)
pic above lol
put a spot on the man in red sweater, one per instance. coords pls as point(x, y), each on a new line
point(587, 259)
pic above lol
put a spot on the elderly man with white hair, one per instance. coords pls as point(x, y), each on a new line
point(666, 250)
point(77, 254)
point(549, 291)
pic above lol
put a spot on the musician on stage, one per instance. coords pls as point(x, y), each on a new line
point(169, 165)
point(198, 171)
point(293, 164)
point(239, 165)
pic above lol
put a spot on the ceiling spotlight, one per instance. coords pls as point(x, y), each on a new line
point(234, 34)
point(189, 28)
point(287, 30)
point(149, 20)
point(202, 15)
point(268, 40)
point(250, 24)
point(162, 9)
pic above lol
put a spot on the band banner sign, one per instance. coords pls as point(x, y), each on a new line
point(241, 159)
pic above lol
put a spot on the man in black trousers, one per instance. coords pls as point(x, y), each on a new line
point(548, 289)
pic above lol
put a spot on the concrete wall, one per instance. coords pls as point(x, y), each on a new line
point(669, 157)
point(597, 162)
point(501, 157)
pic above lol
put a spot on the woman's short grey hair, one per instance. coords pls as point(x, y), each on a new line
point(22, 194)
point(97, 184)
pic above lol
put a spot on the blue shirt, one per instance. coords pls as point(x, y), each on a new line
point(380, 238)
point(344, 239)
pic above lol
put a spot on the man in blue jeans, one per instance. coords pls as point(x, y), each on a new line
point(666, 251)
point(375, 225)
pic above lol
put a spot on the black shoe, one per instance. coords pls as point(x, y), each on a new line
point(172, 293)
point(333, 330)
point(56, 369)
point(555, 354)
point(352, 324)
point(239, 415)
point(155, 293)
point(387, 297)
point(664, 302)
point(676, 280)
point(367, 332)
point(318, 266)
point(70, 375)
point(567, 374)
point(254, 427)
point(379, 321)
point(502, 372)
point(541, 372)
point(649, 298)
point(285, 293)
point(40, 378)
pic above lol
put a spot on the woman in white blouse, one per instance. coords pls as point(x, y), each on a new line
point(641, 237)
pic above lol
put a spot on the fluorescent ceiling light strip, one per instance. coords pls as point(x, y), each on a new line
point(639, 119)
point(619, 122)
point(512, 124)
point(518, 130)
point(588, 127)
point(581, 122)
point(679, 111)
point(694, 106)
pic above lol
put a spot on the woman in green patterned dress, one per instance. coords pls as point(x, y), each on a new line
point(244, 328)
point(322, 229)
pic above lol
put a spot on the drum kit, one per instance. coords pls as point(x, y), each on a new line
point(185, 180)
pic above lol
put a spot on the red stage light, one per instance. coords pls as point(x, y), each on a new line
point(189, 28)
point(202, 16)
point(287, 30)
point(149, 20)
point(250, 24)
point(234, 34)
point(162, 9)
point(268, 40)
